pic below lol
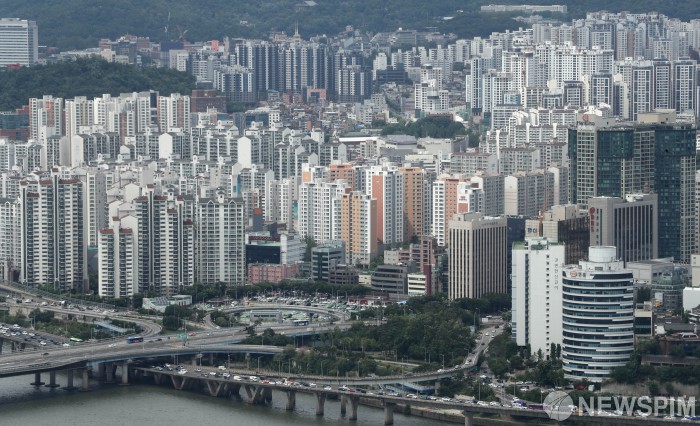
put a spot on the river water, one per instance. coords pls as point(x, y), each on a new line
point(143, 404)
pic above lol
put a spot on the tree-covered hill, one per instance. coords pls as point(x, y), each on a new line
point(434, 127)
point(86, 77)
point(81, 23)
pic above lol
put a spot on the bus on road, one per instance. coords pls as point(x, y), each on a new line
point(134, 339)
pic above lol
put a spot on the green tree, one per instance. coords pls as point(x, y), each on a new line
point(97, 77)
point(643, 294)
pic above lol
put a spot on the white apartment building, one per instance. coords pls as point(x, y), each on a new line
point(220, 225)
point(165, 243)
point(319, 209)
point(52, 246)
point(45, 112)
point(527, 194)
point(10, 242)
point(537, 294)
point(173, 113)
point(385, 184)
point(116, 255)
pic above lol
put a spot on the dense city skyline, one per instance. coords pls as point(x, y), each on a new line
point(555, 163)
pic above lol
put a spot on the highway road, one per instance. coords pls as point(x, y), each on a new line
point(118, 347)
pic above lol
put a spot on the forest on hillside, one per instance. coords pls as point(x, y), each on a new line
point(96, 77)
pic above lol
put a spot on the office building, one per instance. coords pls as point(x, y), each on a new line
point(630, 224)
point(391, 279)
point(19, 42)
point(656, 154)
point(537, 294)
point(598, 316)
point(478, 256)
point(325, 257)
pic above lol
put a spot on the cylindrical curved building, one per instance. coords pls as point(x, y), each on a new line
point(598, 315)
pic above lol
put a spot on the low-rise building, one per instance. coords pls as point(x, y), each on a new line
point(160, 303)
point(271, 273)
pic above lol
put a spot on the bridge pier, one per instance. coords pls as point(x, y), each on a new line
point(437, 386)
point(211, 359)
point(267, 394)
point(354, 402)
point(468, 418)
point(389, 413)
point(255, 394)
point(216, 388)
point(108, 372)
point(320, 403)
point(125, 373)
point(291, 400)
point(235, 389)
point(86, 381)
point(69, 381)
point(179, 383)
point(158, 378)
point(343, 401)
point(52, 380)
point(37, 380)
point(2, 342)
point(100, 371)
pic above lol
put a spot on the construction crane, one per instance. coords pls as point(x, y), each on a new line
point(167, 23)
point(182, 34)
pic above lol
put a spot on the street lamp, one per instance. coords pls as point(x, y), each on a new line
point(443, 361)
point(321, 368)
